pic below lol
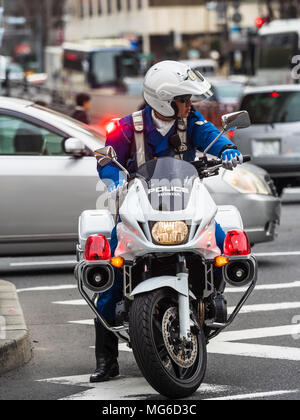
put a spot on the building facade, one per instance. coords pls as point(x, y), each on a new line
point(162, 27)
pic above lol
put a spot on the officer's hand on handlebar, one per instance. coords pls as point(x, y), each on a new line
point(231, 158)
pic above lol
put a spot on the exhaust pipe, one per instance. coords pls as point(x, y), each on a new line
point(98, 277)
point(240, 272)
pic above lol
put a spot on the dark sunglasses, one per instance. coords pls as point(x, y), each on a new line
point(184, 99)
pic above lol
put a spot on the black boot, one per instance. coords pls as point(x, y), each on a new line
point(106, 354)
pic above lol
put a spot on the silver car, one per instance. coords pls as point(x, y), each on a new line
point(273, 139)
point(48, 177)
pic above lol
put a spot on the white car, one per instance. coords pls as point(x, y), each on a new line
point(48, 177)
point(273, 139)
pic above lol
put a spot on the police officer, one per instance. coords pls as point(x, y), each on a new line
point(167, 126)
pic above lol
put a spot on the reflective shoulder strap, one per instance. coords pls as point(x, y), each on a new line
point(138, 122)
point(182, 132)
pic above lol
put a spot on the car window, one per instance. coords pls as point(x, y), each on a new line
point(276, 50)
point(272, 107)
point(230, 90)
point(19, 137)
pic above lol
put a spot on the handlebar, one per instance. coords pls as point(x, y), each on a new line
point(211, 167)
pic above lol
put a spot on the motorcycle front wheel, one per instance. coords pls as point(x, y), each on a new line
point(173, 368)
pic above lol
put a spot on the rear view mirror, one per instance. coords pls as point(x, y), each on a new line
point(74, 147)
point(105, 155)
point(236, 120)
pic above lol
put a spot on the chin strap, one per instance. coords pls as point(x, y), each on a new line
point(176, 110)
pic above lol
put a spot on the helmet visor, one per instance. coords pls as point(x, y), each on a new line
point(195, 84)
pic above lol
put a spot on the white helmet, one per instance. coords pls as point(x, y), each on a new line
point(169, 79)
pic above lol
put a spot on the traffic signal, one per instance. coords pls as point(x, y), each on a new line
point(259, 22)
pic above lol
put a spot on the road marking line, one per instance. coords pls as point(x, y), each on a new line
point(278, 254)
point(124, 388)
point(83, 322)
point(250, 334)
point(248, 309)
point(228, 336)
point(73, 262)
point(255, 350)
point(40, 263)
point(292, 191)
point(75, 302)
point(253, 396)
point(276, 286)
point(48, 288)
point(122, 347)
point(245, 310)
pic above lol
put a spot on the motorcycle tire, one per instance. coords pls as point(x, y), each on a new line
point(152, 356)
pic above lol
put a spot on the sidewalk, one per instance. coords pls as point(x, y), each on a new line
point(15, 346)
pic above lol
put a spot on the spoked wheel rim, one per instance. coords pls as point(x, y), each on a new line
point(182, 363)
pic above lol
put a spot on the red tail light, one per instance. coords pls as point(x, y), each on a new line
point(112, 125)
point(237, 243)
point(97, 248)
point(231, 134)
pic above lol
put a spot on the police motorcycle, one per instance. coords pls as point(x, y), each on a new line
point(174, 274)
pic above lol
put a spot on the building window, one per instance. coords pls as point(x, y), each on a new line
point(81, 9)
point(91, 8)
point(119, 6)
point(128, 5)
point(139, 4)
point(99, 7)
point(109, 7)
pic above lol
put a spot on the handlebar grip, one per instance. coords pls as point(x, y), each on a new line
point(247, 158)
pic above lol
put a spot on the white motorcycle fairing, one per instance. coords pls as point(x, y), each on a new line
point(136, 212)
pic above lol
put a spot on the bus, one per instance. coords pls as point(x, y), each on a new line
point(279, 44)
point(87, 65)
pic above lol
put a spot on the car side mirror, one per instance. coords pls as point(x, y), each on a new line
point(74, 147)
point(237, 120)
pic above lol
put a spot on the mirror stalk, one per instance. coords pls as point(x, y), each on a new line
point(121, 167)
point(213, 142)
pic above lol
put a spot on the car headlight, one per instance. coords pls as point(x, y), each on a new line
point(245, 181)
point(170, 233)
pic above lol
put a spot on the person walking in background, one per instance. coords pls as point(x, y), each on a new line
point(83, 105)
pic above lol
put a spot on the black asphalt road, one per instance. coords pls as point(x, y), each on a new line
point(61, 349)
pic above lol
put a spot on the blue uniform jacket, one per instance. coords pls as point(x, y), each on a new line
point(199, 136)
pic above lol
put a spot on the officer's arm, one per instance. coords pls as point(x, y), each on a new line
point(119, 139)
point(203, 133)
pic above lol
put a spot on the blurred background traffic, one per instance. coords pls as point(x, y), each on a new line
point(52, 50)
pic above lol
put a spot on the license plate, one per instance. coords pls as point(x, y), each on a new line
point(265, 147)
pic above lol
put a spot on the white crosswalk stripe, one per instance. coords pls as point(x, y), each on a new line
point(123, 388)
point(230, 343)
point(247, 309)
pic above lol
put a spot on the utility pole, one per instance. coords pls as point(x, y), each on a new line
point(49, 20)
point(1, 21)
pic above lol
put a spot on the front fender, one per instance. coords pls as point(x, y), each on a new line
point(178, 283)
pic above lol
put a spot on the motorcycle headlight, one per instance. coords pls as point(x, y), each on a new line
point(246, 182)
point(170, 233)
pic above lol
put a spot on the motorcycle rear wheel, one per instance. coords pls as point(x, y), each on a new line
point(148, 318)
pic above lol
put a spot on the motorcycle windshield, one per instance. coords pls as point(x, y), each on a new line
point(168, 183)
